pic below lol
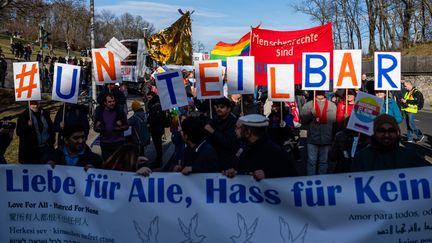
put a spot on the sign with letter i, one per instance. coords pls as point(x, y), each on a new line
point(26, 81)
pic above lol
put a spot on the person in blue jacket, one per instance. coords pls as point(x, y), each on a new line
point(393, 108)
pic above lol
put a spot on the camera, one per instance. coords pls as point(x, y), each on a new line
point(7, 125)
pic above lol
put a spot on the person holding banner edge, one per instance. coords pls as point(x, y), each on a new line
point(261, 158)
point(199, 156)
point(385, 152)
point(221, 132)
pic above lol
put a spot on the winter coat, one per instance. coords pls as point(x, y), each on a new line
point(202, 158)
point(88, 157)
point(156, 117)
point(373, 157)
point(140, 132)
point(224, 140)
point(319, 134)
point(265, 155)
point(28, 145)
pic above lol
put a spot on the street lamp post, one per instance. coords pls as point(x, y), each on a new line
point(92, 45)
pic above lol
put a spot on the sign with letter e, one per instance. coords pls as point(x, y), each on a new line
point(209, 79)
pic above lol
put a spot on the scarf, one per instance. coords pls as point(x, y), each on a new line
point(321, 116)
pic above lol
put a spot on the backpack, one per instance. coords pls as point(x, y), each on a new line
point(420, 99)
point(142, 132)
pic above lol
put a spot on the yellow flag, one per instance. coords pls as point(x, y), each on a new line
point(173, 45)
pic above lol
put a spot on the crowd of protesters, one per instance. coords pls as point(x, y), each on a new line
point(247, 135)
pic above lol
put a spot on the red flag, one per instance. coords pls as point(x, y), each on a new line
point(286, 47)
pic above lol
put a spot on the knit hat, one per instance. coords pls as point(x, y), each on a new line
point(385, 118)
point(136, 105)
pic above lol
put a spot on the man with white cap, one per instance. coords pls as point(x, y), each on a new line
point(261, 158)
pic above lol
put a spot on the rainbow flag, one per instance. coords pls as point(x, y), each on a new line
point(222, 50)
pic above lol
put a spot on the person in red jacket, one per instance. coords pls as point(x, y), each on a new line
point(342, 111)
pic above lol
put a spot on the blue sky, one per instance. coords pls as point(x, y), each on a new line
point(214, 20)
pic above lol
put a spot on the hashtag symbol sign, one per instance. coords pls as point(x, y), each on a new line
point(31, 85)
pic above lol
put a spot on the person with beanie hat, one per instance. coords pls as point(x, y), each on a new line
point(136, 105)
point(140, 131)
point(385, 152)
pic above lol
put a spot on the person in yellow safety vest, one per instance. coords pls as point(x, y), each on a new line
point(410, 107)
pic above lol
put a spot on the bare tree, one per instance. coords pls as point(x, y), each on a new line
point(198, 46)
point(372, 10)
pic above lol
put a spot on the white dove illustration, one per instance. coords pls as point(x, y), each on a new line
point(287, 235)
point(191, 232)
point(151, 235)
point(245, 233)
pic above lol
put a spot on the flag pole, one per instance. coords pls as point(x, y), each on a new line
point(346, 101)
point(387, 95)
point(29, 110)
point(241, 105)
point(211, 110)
point(64, 111)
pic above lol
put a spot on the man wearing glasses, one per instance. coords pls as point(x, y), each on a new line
point(385, 152)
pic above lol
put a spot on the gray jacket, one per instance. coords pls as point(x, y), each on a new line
point(319, 134)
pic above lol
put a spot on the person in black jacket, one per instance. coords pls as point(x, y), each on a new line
point(112, 89)
point(199, 155)
point(156, 126)
point(75, 152)
point(221, 133)
point(36, 135)
point(75, 115)
point(261, 158)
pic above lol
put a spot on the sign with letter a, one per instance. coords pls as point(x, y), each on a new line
point(347, 69)
point(66, 83)
point(26, 81)
point(106, 66)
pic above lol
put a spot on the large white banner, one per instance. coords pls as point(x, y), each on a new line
point(26, 81)
point(67, 204)
point(171, 89)
point(241, 75)
point(66, 82)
